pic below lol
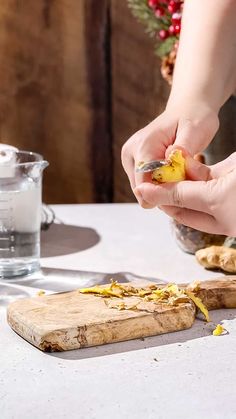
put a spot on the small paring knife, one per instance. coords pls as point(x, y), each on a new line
point(150, 166)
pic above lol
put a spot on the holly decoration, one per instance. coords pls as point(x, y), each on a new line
point(162, 19)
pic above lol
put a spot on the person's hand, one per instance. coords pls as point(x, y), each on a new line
point(188, 126)
point(208, 205)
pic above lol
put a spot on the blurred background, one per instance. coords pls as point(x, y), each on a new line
point(77, 78)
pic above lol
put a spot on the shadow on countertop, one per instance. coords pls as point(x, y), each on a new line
point(64, 239)
point(63, 280)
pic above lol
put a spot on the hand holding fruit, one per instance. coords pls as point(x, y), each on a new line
point(189, 126)
point(208, 205)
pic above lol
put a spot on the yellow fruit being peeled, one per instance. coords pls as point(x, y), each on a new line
point(174, 171)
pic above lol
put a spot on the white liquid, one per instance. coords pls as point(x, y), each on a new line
point(21, 210)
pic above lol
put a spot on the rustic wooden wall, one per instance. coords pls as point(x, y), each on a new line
point(76, 80)
point(54, 92)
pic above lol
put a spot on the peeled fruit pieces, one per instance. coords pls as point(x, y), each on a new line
point(170, 294)
point(173, 171)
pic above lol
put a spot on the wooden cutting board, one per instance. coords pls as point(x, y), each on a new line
point(60, 322)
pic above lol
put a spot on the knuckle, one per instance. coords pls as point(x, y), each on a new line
point(212, 196)
point(176, 198)
point(129, 147)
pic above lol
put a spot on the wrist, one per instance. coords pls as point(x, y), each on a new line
point(192, 103)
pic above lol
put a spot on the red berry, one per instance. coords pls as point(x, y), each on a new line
point(173, 6)
point(177, 29)
point(174, 29)
point(153, 3)
point(171, 9)
point(176, 18)
point(159, 12)
point(171, 30)
point(163, 34)
point(174, 3)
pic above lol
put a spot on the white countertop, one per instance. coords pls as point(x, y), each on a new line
point(189, 374)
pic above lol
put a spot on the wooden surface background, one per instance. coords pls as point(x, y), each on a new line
point(54, 92)
point(77, 78)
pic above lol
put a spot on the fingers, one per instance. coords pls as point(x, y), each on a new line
point(195, 219)
point(196, 129)
point(186, 194)
point(224, 167)
point(141, 200)
point(148, 144)
point(195, 170)
point(152, 147)
point(187, 136)
point(128, 165)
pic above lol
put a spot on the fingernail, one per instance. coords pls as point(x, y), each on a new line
point(140, 199)
point(174, 147)
point(204, 172)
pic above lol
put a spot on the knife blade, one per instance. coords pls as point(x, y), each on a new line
point(150, 166)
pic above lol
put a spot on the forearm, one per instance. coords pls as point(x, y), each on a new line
point(205, 69)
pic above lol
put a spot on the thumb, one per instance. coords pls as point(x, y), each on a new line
point(195, 134)
point(188, 137)
point(224, 167)
point(185, 194)
point(195, 170)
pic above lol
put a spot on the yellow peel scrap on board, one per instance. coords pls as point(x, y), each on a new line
point(142, 293)
point(218, 330)
point(198, 302)
point(105, 292)
point(170, 294)
point(40, 293)
point(174, 290)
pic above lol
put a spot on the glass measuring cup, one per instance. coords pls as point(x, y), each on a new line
point(20, 212)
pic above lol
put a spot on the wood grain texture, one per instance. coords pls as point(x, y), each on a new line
point(220, 293)
point(53, 92)
point(72, 320)
point(139, 93)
